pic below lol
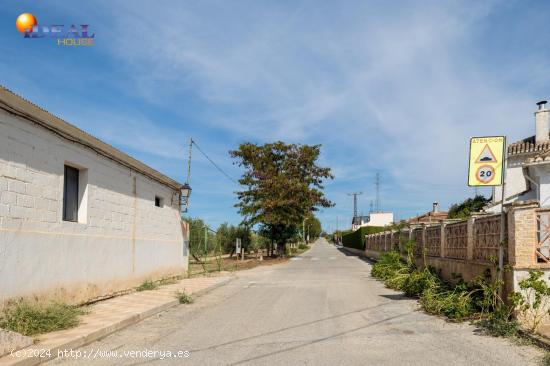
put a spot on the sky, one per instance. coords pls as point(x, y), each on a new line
point(389, 87)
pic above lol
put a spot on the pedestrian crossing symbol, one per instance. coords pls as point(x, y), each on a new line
point(486, 158)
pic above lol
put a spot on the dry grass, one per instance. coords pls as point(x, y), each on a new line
point(31, 318)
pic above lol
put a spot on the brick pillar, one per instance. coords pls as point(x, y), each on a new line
point(443, 241)
point(522, 234)
point(424, 246)
point(470, 242)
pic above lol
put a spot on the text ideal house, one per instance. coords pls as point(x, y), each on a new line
point(79, 219)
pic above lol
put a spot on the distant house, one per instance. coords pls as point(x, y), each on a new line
point(528, 166)
point(79, 219)
point(435, 215)
point(373, 219)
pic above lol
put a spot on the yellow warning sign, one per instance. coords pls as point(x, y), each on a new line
point(486, 158)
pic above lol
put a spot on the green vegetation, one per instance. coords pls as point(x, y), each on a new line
point(183, 297)
point(465, 209)
point(454, 300)
point(356, 239)
point(459, 301)
point(30, 319)
point(533, 302)
point(283, 186)
point(147, 285)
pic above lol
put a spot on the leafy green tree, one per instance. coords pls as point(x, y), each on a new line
point(467, 207)
point(314, 226)
point(200, 244)
point(227, 234)
point(283, 185)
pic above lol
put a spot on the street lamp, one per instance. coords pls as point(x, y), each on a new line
point(185, 193)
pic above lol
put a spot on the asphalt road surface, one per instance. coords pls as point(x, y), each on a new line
point(322, 308)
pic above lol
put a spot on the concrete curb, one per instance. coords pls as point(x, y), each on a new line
point(82, 340)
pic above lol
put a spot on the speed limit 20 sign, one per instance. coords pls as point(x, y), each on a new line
point(486, 160)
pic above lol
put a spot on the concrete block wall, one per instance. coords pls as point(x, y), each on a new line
point(522, 242)
point(121, 237)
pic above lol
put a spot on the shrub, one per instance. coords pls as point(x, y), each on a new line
point(146, 286)
point(356, 239)
point(500, 325)
point(418, 281)
point(533, 302)
point(387, 266)
point(30, 319)
point(183, 297)
point(436, 296)
point(303, 246)
point(453, 303)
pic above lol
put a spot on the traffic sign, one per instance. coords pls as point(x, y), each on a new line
point(486, 161)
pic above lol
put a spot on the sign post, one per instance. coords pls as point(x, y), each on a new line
point(238, 247)
point(487, 168)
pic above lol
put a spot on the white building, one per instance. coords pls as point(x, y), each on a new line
point(528, 166)
point(373, 219)
point(79, 219)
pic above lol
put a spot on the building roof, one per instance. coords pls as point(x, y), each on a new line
point(528, 146)
point(429, 217)
point(14, 104)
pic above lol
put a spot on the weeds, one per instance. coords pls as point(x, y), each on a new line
point(168, 281)
point(147, 285)
point(183, 297)
point(500, 325)
point(436, 296)
point(30, 319)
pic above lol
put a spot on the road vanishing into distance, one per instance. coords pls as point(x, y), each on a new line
point(321, 308)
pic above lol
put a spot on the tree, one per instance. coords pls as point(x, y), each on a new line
point(464, 209)
point(199, 243)
point(314, 226)
point(227, 235)
point(283, 186)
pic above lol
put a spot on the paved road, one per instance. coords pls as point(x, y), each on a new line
point(321, 309)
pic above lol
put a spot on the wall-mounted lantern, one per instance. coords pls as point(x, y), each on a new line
point(185, 193)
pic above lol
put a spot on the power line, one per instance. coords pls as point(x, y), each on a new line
point(213, 163)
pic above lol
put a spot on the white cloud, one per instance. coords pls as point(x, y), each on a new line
point(396, 87)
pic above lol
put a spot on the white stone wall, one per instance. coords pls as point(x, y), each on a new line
point(121, 237)
point(380, 219)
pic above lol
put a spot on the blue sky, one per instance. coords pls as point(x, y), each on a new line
point(390, 87)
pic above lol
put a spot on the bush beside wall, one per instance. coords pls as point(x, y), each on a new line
point(356, 239)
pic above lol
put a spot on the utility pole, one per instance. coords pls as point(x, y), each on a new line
point(205, 239)
point(355, 194)
point(189, 160)
point(377, 183)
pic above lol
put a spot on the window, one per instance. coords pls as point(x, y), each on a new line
point(159, 201)
point(70, 194)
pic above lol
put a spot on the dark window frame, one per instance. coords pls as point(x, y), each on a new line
point(159, 202)
point(71, 176)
